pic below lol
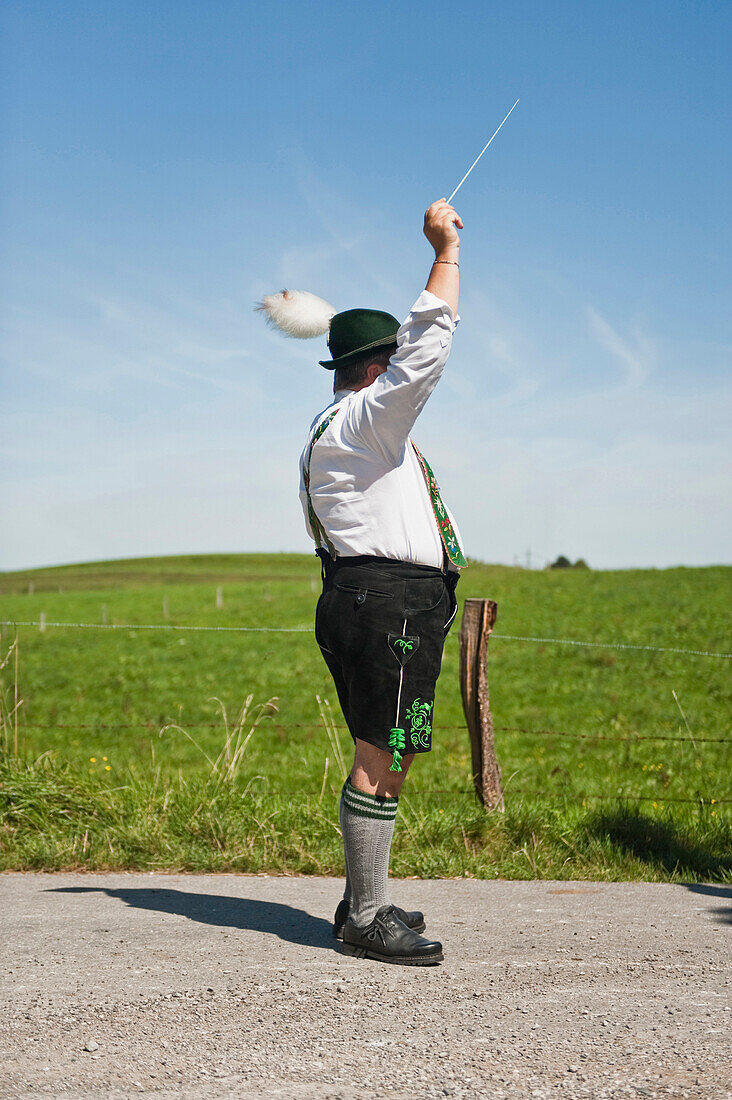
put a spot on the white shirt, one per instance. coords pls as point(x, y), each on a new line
point(366, 483)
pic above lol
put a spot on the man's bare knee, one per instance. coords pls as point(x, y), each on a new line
point(371, 771)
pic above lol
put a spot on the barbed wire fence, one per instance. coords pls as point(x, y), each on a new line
point(42, 624)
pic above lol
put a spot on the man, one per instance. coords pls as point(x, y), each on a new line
point(391, 557)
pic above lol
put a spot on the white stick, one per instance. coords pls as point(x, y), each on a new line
point(472, 166)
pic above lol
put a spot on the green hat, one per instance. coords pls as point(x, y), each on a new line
point(356, 331)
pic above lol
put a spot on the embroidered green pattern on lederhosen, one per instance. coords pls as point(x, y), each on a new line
point(321, 538)
point(444, 526)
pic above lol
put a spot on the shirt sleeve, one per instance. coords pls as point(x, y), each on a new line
point(381, 416)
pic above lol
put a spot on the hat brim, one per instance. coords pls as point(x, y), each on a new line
point(343, 360)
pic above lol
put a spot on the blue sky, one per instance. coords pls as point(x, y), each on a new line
point(166, 164)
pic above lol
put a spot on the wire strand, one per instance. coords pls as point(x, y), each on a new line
point(162, 626)
point(612, 645)
point(605, 737)
point(309, 630)
point(702, 800)
point(150, 723)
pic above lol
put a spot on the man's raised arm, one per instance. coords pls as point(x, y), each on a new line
point(441, 224)
point(386, 407)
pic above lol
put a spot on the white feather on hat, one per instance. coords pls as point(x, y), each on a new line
point(297, 313)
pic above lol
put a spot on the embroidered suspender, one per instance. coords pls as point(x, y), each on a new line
point(321, 538)
point(444, 526)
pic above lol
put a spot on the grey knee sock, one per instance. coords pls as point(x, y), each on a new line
point(347, 887)
point(367, 824)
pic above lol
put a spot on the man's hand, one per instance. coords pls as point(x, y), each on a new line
point(441, 224)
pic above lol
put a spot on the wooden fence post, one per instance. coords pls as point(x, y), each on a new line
point(477, 624)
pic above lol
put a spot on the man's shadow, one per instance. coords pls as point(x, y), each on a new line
point(284, 921)
point(722, 913)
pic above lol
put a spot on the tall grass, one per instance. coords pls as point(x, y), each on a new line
point(53, 817)
point(124, 749)
point(10, 700)
point(227, 765)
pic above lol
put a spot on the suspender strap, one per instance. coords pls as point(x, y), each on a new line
point(451, 546)
point(321, 539)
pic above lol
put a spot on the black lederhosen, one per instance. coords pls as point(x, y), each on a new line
point(381, 627)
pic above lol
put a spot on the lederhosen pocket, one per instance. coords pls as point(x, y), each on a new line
point(382, 630)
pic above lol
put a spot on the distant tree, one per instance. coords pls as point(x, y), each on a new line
point(580, 564)
point(561, 563)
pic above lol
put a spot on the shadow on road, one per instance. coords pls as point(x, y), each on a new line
point(284, 921)
point(722, 912)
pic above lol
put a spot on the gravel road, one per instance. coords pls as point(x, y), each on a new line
point(217, 987)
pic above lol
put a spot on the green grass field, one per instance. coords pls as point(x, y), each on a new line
point(592, 791)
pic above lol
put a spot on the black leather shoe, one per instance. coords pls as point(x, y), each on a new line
point(414, 920)
point(389, 940)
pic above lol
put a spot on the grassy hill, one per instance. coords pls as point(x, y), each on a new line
point(605, 776)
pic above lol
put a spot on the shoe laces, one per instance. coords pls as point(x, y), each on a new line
point(380, 923)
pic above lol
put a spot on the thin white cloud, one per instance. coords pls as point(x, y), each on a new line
point(352, 233)
point(637, 360)
point(98, 342)
point(147, 422)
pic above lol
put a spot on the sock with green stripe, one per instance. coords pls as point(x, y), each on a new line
point(367, 825)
